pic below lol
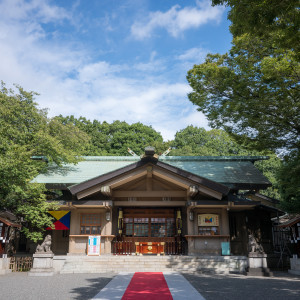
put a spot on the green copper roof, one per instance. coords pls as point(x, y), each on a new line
point(89, 168)
point(228, 170)
point(225, 172)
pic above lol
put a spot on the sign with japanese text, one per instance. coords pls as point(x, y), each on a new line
point(208, 220)
point(94, 245)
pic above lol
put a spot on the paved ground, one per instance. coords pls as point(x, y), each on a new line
point(282, 286)
point(17, 286)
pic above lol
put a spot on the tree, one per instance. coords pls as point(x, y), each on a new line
point(264, 18)
point(26, 132)
point(117, 137)
point(197, 141)
point(252, 92)
point(288, 178)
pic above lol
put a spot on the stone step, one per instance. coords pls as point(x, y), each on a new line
point(185, 264)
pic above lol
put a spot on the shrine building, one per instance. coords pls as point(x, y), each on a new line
point(160, 205)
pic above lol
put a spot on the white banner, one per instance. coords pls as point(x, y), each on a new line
point(94, 245)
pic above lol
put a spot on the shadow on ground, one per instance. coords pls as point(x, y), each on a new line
point(91, 288)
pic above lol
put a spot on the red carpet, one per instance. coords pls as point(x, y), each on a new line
point(149, 286)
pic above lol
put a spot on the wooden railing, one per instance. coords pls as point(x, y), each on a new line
point(123, 247)
point(21, 263)
point(176, 247)
point(129, 247)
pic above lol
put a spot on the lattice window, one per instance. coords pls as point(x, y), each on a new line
point(128, 226)
point(170, 227)
point(141, 227)
point(144, 227)
point(90, 224)
point(158, 227)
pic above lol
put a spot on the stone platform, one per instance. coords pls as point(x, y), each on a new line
point(258, 265)
point(4, 266)
point(42, 265)
point(295, 265)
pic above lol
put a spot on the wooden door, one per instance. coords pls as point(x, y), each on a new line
point(149, 228)
point(238, 233)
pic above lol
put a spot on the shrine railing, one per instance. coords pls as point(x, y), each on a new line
point(123, 247)
point(178, 247)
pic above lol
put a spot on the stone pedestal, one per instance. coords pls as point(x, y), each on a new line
point(258, 265)
point(295, 265)
point(42, 265)
point(4, 266)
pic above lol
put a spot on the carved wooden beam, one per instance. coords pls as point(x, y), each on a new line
point(87, 192)
point(129, 177)
point(149, 171)
point(106, 190)
point(192, 191)
point(149, 178)
point(155, 194)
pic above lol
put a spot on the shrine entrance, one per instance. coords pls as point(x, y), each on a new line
point(151, 230)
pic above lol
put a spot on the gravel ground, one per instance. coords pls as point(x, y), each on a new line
point(17, 286)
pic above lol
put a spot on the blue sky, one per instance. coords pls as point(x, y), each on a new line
point(111, 59)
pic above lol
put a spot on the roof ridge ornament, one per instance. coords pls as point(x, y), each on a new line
point(149, 154)
point(149, 151)
point(131, 152)
point(166, 152)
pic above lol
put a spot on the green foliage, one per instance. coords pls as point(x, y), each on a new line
point(264, 18)
point(197, 141)
point(25, 131)
point(270, 168)
point(252, 92)
point(117, 137)
point(288, 178)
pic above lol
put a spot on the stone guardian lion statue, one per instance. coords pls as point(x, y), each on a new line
point(254, 245)
point(45, 247)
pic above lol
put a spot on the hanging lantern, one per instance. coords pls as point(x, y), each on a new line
point(191, 215)
point(120, 221)
point(178, 222)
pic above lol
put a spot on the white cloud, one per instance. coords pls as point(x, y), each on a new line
point(90, 72)
point(191, 57)
point(40, 10)
point(194, 55)
point(70, 83)
point(176, 20)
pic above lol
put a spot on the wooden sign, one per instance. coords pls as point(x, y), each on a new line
point(208, 220)
point(94, 245)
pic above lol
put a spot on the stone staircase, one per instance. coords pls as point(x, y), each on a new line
point(182, 264)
